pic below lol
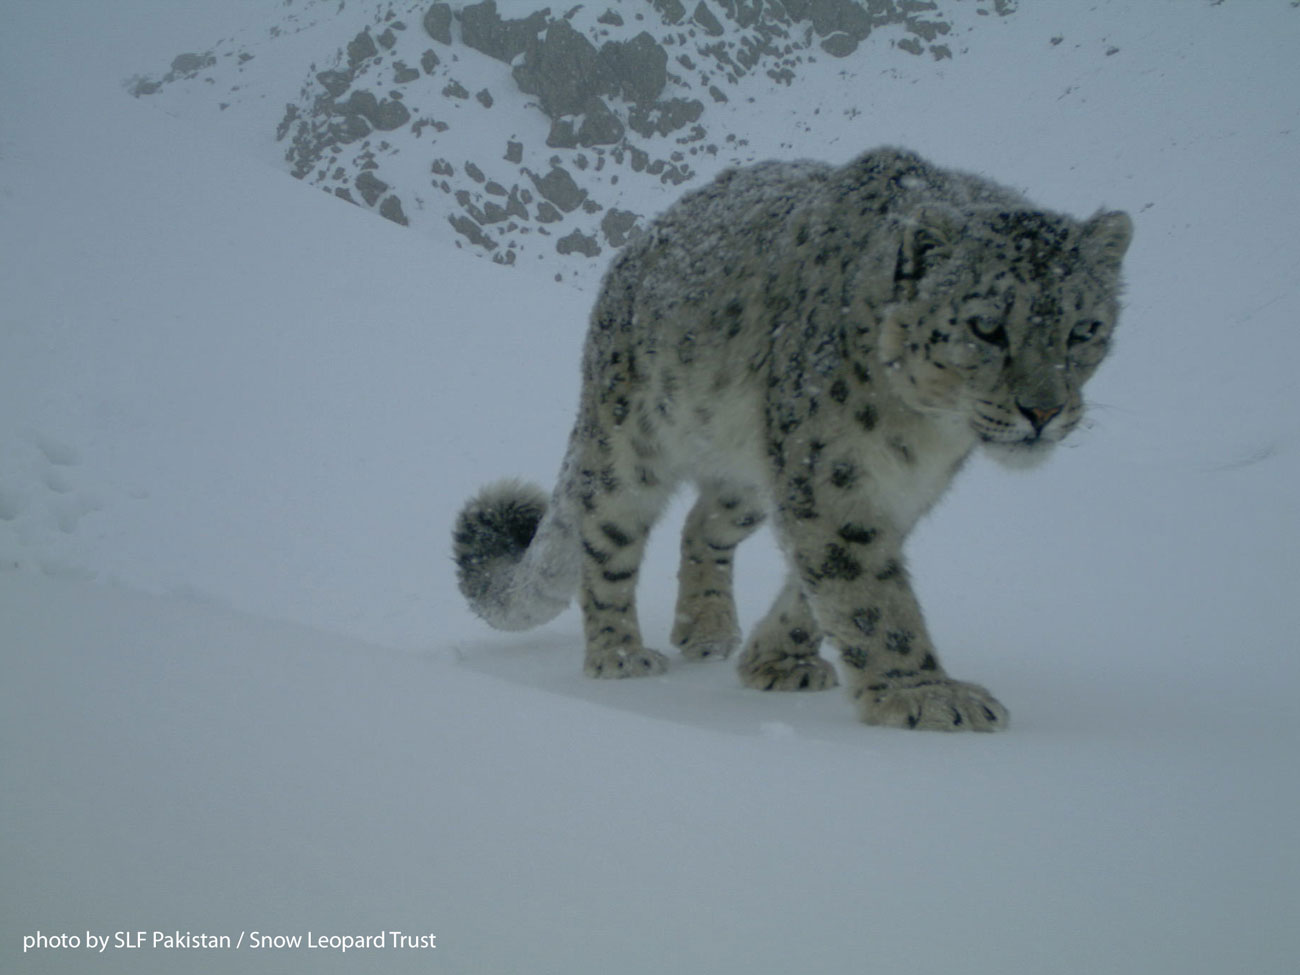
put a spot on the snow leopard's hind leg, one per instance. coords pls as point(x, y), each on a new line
point(620, 498)
point(704, 624)
point(782, 652)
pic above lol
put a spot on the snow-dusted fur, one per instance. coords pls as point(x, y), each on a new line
point(822, 346)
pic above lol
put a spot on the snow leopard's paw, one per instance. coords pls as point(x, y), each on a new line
point(706, 629)
point(703, 645)
point(785, 672)
point(641, 662)
point(779, 657)
point(935, 704)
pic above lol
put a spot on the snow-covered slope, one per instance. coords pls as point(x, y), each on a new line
point(240, 692)
point(539, 135)
point(172, 767)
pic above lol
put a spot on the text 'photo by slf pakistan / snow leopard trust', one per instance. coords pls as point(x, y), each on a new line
point(821, 348)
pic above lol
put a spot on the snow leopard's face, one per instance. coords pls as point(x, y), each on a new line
point(1002, 322)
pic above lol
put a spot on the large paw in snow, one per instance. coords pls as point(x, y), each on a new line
point(936, 704)
point(787, 672)
point(625, 663)
point(705, 628)
point(780, 657)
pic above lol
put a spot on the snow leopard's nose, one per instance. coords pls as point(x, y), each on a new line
point(1039, 416)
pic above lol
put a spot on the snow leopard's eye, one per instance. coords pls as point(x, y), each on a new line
point(1084, 331)
point(987, 330)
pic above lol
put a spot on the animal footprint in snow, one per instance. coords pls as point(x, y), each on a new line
point(12, 502)
point(56, 451)
point(69, 509)
point(53, 480)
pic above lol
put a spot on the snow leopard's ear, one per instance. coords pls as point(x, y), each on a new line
point(1106, 237)
point(929, 235)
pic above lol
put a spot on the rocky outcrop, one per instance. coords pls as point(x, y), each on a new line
point(619, 227)
point(184, 67)
point(437, 22)
point(639, 67)
point(705, 19)
point(384, 115)
point(370, 187)
point(483, 29)
point(560, 188)
point(189, 65)
point(631, 94)
point(564, 70)
point(578, 243)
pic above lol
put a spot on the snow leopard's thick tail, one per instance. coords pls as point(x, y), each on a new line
point(517, 555)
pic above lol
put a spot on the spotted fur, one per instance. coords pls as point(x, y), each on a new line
point(821, 348)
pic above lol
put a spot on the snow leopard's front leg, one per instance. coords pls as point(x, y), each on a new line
point(781, 654)
point(851, 568)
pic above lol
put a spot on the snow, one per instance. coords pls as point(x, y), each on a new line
point(241, 692)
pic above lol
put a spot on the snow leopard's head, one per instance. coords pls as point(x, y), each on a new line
point(1002, 318)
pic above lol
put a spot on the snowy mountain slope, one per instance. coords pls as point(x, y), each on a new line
point(220, 388)
point(540, 134)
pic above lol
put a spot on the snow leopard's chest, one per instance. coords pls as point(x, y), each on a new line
point(901, 460)
point(908, 473)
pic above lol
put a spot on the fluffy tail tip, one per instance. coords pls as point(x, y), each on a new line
point(492, 533)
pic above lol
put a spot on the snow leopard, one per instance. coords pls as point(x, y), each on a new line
point(817, 348)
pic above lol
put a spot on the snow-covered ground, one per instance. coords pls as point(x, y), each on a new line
point(240, 692)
